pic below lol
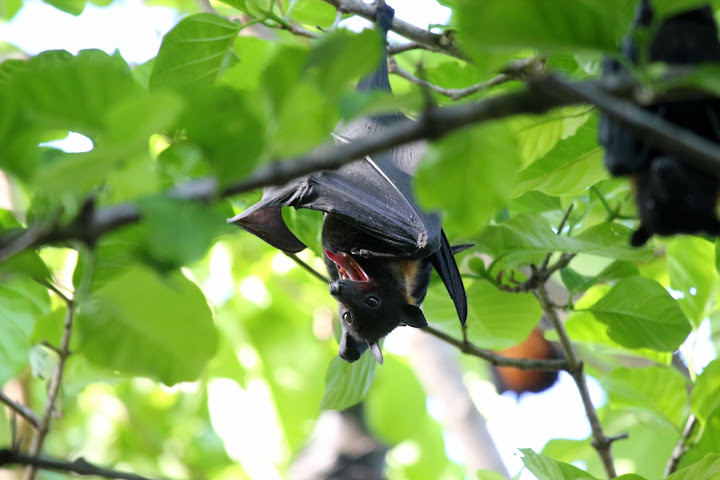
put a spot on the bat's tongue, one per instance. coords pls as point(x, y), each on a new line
point(347, 267)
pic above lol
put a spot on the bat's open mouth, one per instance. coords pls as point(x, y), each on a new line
point(347, 267)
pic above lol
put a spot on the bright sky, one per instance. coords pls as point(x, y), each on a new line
point(136, 31)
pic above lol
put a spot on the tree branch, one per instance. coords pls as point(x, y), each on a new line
point(25, 412)
point(494, 358)
point(63, 352)
point(515, 71)
point(433, 41)
point(79, 466)
point(542, 94)
point(682, 445)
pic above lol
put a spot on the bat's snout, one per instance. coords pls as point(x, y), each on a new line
point(337, 287)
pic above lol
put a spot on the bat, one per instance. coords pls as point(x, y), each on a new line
point(523, 381)
point(379, 246)
point(671, 195)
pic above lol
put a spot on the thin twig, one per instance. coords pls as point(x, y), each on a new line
point(404, 47)
point(56, 290)
point(24, 411)
point(63, 351)
point(546, 261)
point(433, 41)
point(516, 71)
point(79, 466)
point(495, 359)
point(682, 446)
point(308, 268)
point(601, 442)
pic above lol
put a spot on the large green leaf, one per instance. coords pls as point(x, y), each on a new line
point(545, 24)
point(690, 264)
point(142, 324)
point(526, 238)
point(178, 232)
point(469, 175)
point(573, 165)
point(640, 313)
point(498, 319)
point(705, 397)
point(706, 469)
point(346, 384)
point(195, 51)
point(22, 302)
point(658, 391)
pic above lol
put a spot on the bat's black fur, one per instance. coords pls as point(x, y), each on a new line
point(672, 196)
point(380, 247)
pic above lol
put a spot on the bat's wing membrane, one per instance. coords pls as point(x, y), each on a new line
point(373, 196)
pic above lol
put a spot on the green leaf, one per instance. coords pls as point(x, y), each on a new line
point(143, 324)
point(195, 51)
point(468, 189)
point(22, 301)
point(545, 468)
point(346, 384)
point(705, 397)
point(573, 165)
point(590, 25)
point(640, 313)
point(179, 232)
point(73, 7)
point(576, 283)
point(690, 265)
point(527, 238)
point(341, 56)
point(497, 319)
point(659, 391)
point(9, 8)
point(230, 128)
point(706, 469)
point(313, 13)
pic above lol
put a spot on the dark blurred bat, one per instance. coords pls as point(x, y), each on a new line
point(380, 247)
point(672, 196)
point(522, 381)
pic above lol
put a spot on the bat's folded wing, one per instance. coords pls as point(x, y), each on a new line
point(377, 201)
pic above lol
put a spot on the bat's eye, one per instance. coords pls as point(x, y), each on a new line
point(372, 301)
point(348, 318)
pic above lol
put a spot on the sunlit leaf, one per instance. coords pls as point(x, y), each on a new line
point(545, 468)
point(195, 51)
point(641, 313)
point(659, 391)
point(22, 301)
point(346, 384)
point(143, 324)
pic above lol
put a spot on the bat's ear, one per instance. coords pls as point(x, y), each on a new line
point(377, 353)
point(413, 316)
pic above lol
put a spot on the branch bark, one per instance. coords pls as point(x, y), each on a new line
point(433, 41)
point(542, 94)
point(79, 466)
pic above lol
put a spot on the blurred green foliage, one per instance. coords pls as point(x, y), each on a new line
point(201, 352)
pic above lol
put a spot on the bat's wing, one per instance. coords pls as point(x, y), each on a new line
point(443, 260)
point(371, 194)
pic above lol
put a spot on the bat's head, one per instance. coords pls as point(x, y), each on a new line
point(673, 197)
point(374, 296)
